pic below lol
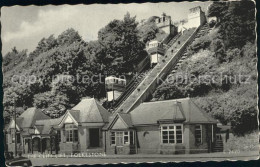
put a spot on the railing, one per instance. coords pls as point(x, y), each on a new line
point(155, 74)
point(130, 88)
point(173, 40)
point(167, 39)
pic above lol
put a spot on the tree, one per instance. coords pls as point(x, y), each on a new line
point(237, 24)
point(121, 44)
point(68, 37)
point(148, 30)
point(217, 9)
point(54, 105)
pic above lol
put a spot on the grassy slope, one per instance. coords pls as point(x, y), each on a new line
point(226, 101)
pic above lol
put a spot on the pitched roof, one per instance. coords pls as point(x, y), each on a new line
point(178, 109)
point(19, 121)
point(125, 117)
point(28, 117)
point(88, 110)
point(44, 126)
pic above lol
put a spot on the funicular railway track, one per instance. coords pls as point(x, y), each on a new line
point(139, 89)
point(131, 86)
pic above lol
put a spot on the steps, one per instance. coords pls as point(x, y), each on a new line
point(138, 79)
point(204, 30)
point(130, 88)
point(172, 41)
point(218, 146)
point(148, 85)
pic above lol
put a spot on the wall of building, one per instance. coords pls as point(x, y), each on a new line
point(206, 136)
point(83, 145)
point(83, 138)
point(113, 149)
point(194, 20)
point(148, 139)
point(71, 147)
point(166, 29)
point(11, 146)
point(203, 18)
point(180, 148)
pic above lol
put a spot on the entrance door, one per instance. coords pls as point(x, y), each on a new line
point(119, 139)
point(36, 144)
point(94, 137)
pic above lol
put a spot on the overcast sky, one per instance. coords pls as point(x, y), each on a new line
point(24, 26)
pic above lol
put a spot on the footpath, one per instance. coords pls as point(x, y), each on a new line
point(252, 154)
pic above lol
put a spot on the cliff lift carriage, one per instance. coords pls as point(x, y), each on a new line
point(155, 50)
point(114, 86)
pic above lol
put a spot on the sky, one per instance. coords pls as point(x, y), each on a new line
point(24, 26)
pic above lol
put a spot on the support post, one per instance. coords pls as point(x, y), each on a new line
point(136, 142)
point(32, 144)
point(51, 144)
point(41, 145)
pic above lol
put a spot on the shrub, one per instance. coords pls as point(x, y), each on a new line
point(248, 142)
point(231, 54)
point(217, 46)
point(200, 43)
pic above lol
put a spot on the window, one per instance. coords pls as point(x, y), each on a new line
point(179, 134)
point(122, 137)
point(126, 137)
point(171, 134)
point(71, 132)
point(112, 138)
point(119, 138)
point(198, 134)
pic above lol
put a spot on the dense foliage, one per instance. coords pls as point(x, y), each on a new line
point(148, 30)
point(62, 70)
point(220, 73)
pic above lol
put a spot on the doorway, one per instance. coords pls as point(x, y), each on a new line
point(94, 137)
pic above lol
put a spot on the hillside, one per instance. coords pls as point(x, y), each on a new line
point(220, 72)
point(34, 79)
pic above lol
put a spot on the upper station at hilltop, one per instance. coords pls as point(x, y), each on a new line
point(196, 17)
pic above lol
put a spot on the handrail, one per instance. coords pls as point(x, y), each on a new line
point(130, 87)
point(181, 49)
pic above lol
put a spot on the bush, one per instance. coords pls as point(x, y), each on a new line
point(248, 142)
point(231, 54)
point(200, 43)
point(217, 46)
